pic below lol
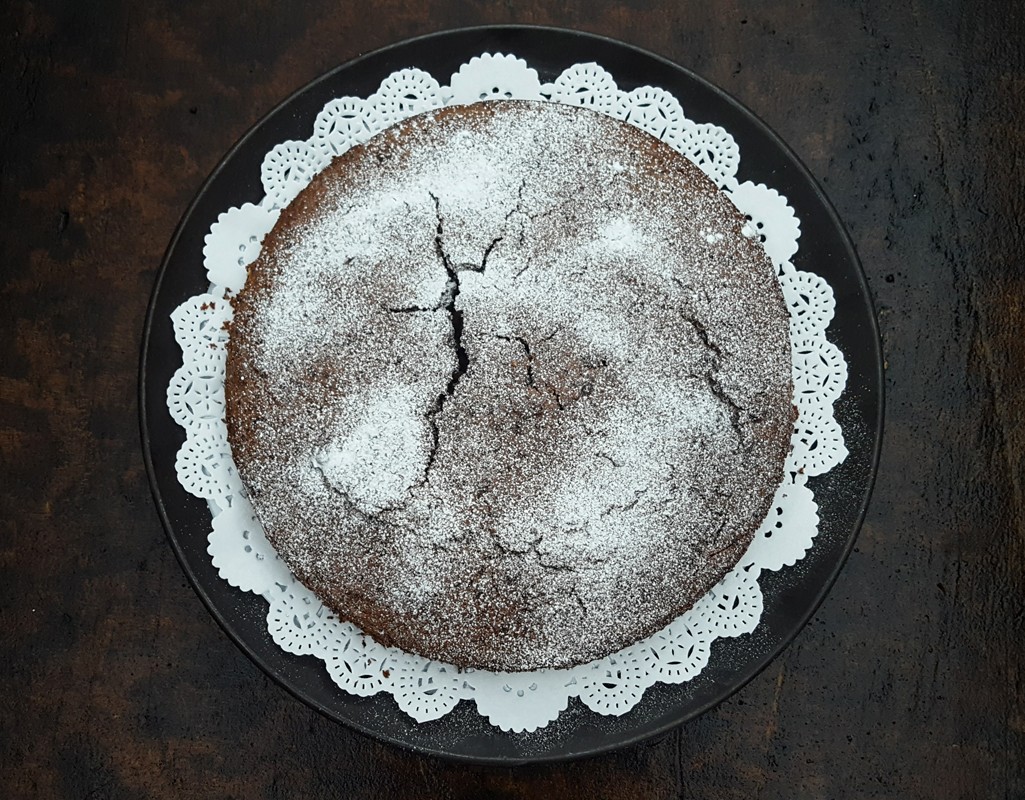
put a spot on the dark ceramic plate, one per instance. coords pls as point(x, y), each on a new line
point(791, 595)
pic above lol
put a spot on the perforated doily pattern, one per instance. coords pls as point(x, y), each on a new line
point(296, 620)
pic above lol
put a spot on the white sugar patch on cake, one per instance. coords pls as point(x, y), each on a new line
point(377, 461)
point(618, 236)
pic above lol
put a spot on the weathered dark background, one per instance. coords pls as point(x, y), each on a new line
point(908, 683)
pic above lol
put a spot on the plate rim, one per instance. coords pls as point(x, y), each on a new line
point(876, 378)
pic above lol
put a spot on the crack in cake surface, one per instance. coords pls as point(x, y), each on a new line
point(448, 303)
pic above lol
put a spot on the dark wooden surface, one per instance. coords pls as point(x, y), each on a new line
point(909, 681)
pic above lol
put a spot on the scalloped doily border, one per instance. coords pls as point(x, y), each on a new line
point(426, 690)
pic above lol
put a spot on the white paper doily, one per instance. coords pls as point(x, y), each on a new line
point(426, 690)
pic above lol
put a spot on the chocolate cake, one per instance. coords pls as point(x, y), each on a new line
point(509, 385)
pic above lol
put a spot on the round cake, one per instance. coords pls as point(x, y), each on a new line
point(509, 385)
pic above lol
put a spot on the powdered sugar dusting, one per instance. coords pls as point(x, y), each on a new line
point(532, 377)
point(377, 462)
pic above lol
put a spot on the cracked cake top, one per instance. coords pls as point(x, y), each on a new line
point(509, 385)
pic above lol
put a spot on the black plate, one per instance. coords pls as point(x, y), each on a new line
point(791, 595)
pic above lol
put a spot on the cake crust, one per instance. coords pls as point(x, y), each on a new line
point(509, 385)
